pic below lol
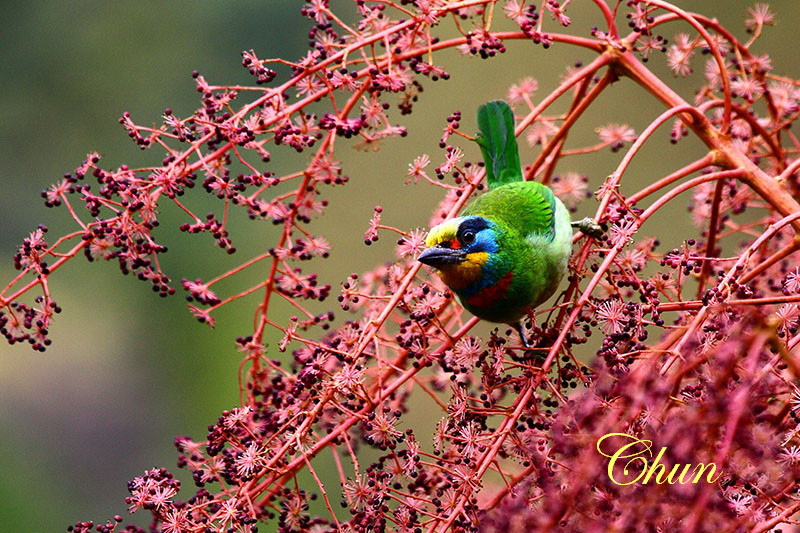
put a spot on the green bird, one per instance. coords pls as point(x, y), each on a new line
point(509, 250)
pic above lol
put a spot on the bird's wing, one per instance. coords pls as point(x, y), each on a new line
point(498, 144)
point(526, 207)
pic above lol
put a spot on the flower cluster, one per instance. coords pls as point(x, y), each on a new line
point(693, 347)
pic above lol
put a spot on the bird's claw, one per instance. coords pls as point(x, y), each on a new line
point(522, 337)
point(589, 227)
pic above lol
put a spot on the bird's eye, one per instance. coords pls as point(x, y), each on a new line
point(468, 236)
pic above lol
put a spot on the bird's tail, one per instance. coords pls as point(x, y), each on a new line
point(498, 143)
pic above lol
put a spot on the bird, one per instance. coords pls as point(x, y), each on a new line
point(508, 251)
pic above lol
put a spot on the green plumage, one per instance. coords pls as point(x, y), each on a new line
point(527, 207)
point(519, 253)
point(534, 241)
point(498, 143)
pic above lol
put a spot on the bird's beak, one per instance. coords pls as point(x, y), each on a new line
point(438, 256)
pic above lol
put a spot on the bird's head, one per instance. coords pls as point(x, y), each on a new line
point(460, 249)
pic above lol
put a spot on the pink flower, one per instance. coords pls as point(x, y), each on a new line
point(616, 135)
point(416, 170)
point(648, 44)
point(381, 430)
point(571, 188)
point(748, 88)
point(520, 92)
point(326, 169)
point(516, 10)
point(454, 156)
point(251, 460)
point(466, 352)
point(759, 63)
point(791, 283)
point(176, 521)
point(557, 10)
point(540, 132)
point(622, 232)
point(358, 492)
point(612, 314)
point(411, 244)
point(787, 318)
point(57, 192)
point(373, 111)
point(470, 437)
point(679, 55)
point(200, 292)
point(348, 379)
point(759, 15)
point(790, 456)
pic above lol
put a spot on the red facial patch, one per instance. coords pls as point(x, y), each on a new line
point(491, 294)
point(454, 244)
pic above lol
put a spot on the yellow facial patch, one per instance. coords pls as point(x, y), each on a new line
point(478, 259)
point(457, 275)
point(446, 231)
point(466, 272)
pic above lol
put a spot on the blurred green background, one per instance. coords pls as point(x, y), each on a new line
point(129, 371)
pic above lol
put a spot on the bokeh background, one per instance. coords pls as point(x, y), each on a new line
point(129, 371)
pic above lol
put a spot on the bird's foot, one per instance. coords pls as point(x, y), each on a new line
point(522, 336)
point(589, 227)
